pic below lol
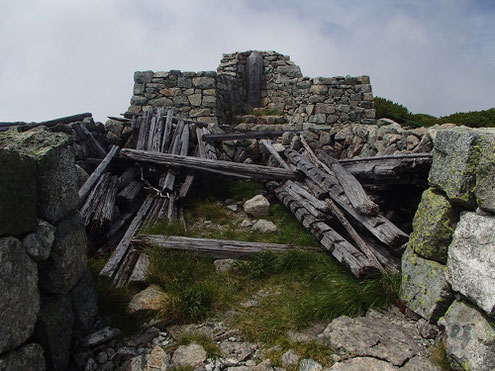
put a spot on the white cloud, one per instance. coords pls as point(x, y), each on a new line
point(65, 57)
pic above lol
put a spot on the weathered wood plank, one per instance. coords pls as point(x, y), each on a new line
point(220, 249)
point(90, 140)
point(89, 207)
point(256, 171)
point(269, 146)
point(121, 250)
point(54, 122)
point(93, 178)
point(104, 212)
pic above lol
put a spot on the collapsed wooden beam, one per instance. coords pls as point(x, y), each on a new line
point(219, 249)
point(251, 170)
point(54, 122)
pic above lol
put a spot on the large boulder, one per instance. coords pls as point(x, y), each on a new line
point(258, 206)
point(18, 195)
point(54, 330)
point(84, 304)
point(485, 175)
point(56, 173)
point(424, 288)
point(471, 262)
point(68, 260)
point(433, 226)
point(19, 296)
point(192, 355)
point(26, 358)
point(469, 338)
point(455, 159)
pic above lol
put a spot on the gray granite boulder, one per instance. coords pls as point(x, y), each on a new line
point(433, 226)
point(114, 130)
point(455, 159)
point(309, 365)
point(363, 363)
point(56, 173)
point(485, 174)
point(189, 355)
point(471, 262)
point(39, 244)
point(469, 338)
point(54, 330)
point(18, 195)
point(373, 335)
point(258, 206)
point(84, 304)
point(19, 296)
point(68, 260)
point(424, 288)
point(28, 357)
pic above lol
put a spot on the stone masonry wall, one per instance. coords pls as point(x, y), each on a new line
point(191, 94)
point(215, 97)
point(448, 270)
point(47, 297)
point(319, 100)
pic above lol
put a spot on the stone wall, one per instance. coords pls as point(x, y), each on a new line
point(218, 96)
point(191, 94)
point(448, 270)
point(47, 297)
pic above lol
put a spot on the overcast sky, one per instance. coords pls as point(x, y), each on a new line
point(62, 57)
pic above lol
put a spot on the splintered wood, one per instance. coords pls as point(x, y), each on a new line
point(148, 179)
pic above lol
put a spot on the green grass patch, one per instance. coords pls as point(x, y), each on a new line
point(267, 112)
point(113, 301)
point(209, 345)
point(321, 353)
point(439, 356)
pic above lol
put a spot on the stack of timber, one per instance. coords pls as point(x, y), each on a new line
point(161, 161)
point(331, 203)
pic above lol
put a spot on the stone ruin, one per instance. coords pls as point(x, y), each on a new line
point(47, 298)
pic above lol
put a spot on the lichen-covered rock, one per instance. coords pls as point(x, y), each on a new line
point(265, 226)
point(158, 359)
point(19, 296)
point(363, 363)
point(39, 244)
point(433, 226)
point(424, 288)
point(258, 206)
point(28, 357)
point(56, 174)
point(469, 338)
point(18, 195)
point(84, 304)
point(455, 160)
point(471, 262)
point(309, 365)
point(152, 298)
point(68, 260)
point(114, 130)
point(420, 363)
point(54, 330)
point(485, 175)
point(189, 355)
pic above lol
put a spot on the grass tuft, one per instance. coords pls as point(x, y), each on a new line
point(439, 356)
point(113, 301)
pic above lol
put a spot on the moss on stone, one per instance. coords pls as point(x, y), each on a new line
point(433, 226)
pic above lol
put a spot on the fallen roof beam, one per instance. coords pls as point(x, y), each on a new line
point(250, 170)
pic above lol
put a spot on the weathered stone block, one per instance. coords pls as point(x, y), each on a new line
point(39, 244)
point(138, 100)
point(455, 159)
point(204, 82)
point(142, 77)
point(325, 108)
point(209, 101)
point(184, 82)
point(28, 357)
point(161, 102)
point(54, 330)
point(471, 261)
point(19, 296)
point(195, 100)
point(84, 304)
point(433, 226)
point(424, 288)
point(469, 338)
point(17, 189)
point(68, 261)
point(485, 174)
point(318, 89)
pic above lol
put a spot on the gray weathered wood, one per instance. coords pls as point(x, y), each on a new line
point(54, 122)
point(93, 178)
point(104, 212)
point(89, 207)
point(220, 249)
point(113, 264)
point(250, 170)
point(269, 146)
point(90, 140)
point(167, 131)
point(129, 193)
point(254, 67)
point(383, 229)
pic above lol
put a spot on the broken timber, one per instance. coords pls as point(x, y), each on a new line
point(219, 249)
point(250, 170)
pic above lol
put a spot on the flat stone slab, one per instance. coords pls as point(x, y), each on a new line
point(363, 363)
point(377, 335)
point(471, 263)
